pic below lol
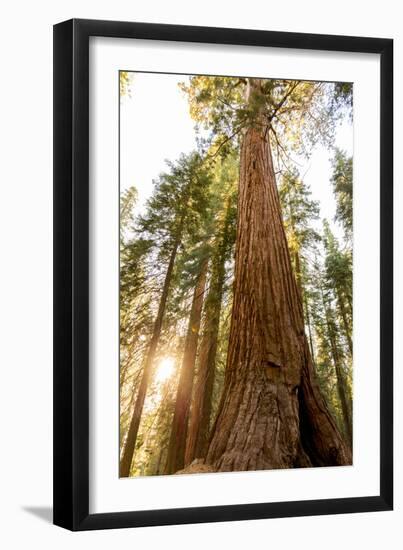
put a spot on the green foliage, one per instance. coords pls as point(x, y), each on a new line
point(342, 181)
point(324, 364)
point(332, 317)
point(179, 201)
point(324, 273)
point(343, 98)
point(299, 213)
point(338, 265)
point(298, 113)
point(331, 351)
point(193, 201)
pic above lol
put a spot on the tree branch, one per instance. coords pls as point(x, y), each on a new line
point(226, 140)
point(284, 99)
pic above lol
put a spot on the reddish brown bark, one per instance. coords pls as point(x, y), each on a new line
point(127, 457)
point(200, 419)
point(197, 441)
point(177, 441)
point(271, 414)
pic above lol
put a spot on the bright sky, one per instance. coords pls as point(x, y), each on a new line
point(155, 125)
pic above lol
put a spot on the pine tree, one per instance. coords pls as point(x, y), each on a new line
point(177, 443)
point(135, 315)
point(342, 181)
point(178, 201)
point(337, 357)
point(226, 175)
point(324, 365)
point(338, 266)
point(299, 212)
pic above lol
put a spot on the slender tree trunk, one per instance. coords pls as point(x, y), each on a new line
point(158, 465)
point(309, 325)
point(199, 425)
point(177, 442)
point(341, 388)
point(272, 414)
point(346, 324)
point(341, 385)
point(127, 457)
point(298, 274)
point(350, 304)
point(298, 277)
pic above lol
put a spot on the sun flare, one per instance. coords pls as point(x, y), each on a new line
point(165, 369)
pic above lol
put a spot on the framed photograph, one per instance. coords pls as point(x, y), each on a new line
point(223, 282)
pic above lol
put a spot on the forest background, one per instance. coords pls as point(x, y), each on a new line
point(176, 318)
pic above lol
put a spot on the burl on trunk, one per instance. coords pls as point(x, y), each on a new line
point(271, 413)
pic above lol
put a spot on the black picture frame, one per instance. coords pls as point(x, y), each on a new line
point(71, 274)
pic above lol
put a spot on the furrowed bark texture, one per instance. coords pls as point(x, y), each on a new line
point(127, 457)
point(271, 414)
point(177, 442)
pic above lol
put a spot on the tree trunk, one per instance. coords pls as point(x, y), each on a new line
point(309, 325)
point(298, 277)
point(298, 274)
point(197, 441)
point(271, 413)
point(341, 388)
point(177, 442)
point(159, 461)
point(350, 304)
point(127, 457)
point(341, 385)
point(346, 324)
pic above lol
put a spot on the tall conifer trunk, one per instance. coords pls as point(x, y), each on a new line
point(197, 440)
point(341, 384)
point(127, 457)
point(177, 442)
point(309, 325)
point(346, 325)
point(271, 414)
point(200, 419)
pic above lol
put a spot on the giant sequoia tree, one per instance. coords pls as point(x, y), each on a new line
point(272, 414)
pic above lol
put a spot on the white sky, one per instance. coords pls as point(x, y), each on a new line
point(155, 125)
